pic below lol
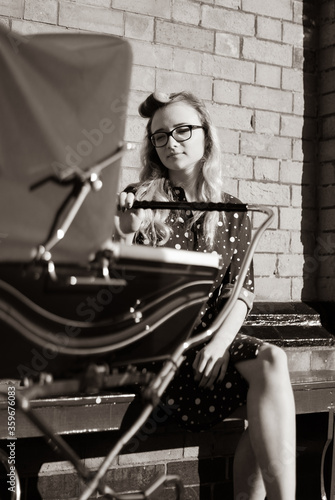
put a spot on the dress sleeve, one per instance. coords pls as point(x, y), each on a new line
point(232, 274)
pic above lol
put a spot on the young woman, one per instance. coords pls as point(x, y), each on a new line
point(181, 161)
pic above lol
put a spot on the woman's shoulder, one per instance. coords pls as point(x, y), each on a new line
point(132, 188)
point(229, 198)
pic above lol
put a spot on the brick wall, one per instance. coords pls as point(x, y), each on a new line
point(254, 63)
point(326, 192)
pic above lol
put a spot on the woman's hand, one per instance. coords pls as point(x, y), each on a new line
point(129, 220)
point(211, 363)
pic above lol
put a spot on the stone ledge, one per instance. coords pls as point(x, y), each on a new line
point(297, 327)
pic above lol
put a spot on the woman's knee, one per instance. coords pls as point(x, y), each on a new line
point(274, 356)
point(271, 363)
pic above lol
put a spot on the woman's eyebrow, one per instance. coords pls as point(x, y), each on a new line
point(175, 126)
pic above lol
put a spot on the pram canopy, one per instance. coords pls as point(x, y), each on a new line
point(63, 101)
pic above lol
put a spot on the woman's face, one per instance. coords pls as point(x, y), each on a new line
point(179, 156)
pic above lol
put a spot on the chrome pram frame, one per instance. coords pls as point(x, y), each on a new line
point(98, 378)
point(61, 98)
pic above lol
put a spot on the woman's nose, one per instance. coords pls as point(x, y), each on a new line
point(171, 142)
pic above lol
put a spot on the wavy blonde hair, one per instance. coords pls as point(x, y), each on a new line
point(154, 177)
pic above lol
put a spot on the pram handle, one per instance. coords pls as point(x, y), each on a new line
point(191, 205)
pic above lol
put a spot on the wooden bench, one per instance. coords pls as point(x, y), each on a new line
point(305, 331)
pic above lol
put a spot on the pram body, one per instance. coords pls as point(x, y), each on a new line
point(67, 301)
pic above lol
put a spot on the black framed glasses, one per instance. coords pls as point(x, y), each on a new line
point(180, 134)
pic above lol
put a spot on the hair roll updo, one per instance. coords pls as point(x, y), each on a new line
point(154, 177)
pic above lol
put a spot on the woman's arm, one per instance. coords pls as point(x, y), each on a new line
point(211, 362)
point(128, 221)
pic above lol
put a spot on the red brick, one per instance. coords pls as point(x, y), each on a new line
point(228, 69)
point(271, 8)
point(328, 127)
point(151, 55)
point(273, 289)
point(327, 219)
point(168, 81)
point(266, 169)
point(292, 126)
point(41, 10)
point(12, 8)
point(267, 122)
point(91, 18)
point(265, 146)
point(229, 140)
point(154, 8)
point(292, 79)
point(4, 22)
point(228, 20)
point(327, 150)
point(327, 35)
point(268, 75)
point(291, 172)
point(226, 92)
point(297, 246)
point(59, 486)
point(326, 289)
point(139, 27)
point(231, 4)
point(184, 36)
point(227, 45)
point(190, 471)
point(126, 479)
point(327, 173)
point(269, 193)
point(186, 11)
point(274, 241)
point(188, 61)
point(327, 81)
point(232, 117)
point(258, 218)
point(304, 150)
point(237, 166)
point(142, 79)
point(326, 59)
point(323, 359)
point(95, 3)
point(297, 219)
point(128, 175)
point(269, 29)
point(293, 34)
point(265, 264)
point(327, 12)
point(135, 129)
point(290, 265)
point(267, 52)
point(326, 196)
point(298, 11)
point(290, 218)
point(265, 98)
point(32, 28)
point(231, 186)
point(327, 104)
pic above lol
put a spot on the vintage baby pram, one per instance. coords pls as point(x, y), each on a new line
point(85, 308)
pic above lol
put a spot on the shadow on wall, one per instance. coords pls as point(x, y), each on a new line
point(318, 161)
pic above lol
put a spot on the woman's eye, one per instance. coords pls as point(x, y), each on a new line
point(182, 130)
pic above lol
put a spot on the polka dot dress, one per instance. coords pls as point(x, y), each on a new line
point(194, 407)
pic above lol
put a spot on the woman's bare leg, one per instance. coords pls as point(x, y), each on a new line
point(271, 418)
point(248, 480)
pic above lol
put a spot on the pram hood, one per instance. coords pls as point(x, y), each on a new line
point(63, 100)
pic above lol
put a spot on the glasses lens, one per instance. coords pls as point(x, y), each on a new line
point(182, 133)
point(159, 139)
